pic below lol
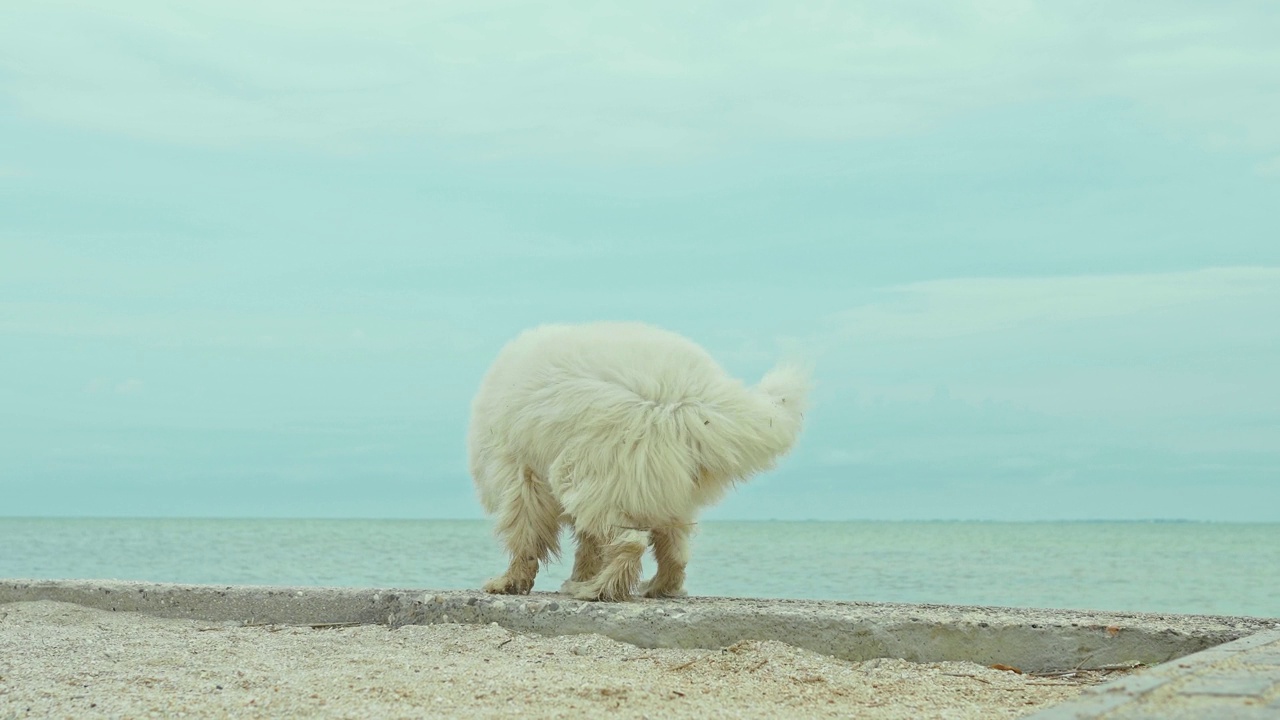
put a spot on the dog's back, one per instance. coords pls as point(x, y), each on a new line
point(560, 385)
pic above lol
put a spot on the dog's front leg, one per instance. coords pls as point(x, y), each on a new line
point(586, 561)
point(671, 549)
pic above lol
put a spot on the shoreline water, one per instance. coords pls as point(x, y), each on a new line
point(1207, 568)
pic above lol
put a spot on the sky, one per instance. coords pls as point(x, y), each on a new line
point(255, 257)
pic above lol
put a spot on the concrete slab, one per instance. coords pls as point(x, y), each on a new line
point(1033, 640)
point(1230, 684)
point(1263, 657)
point(1222, 682)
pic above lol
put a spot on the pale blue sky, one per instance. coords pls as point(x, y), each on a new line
point(254, 257)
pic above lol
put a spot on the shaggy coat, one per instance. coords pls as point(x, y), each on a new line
point(622, 431)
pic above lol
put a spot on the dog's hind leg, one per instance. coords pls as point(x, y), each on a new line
point(529, 524)
point(671, 550)
point(620, 558)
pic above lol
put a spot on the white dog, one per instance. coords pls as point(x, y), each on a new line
point(622, 431)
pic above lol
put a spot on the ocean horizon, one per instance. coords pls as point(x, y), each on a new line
point(1156, 566)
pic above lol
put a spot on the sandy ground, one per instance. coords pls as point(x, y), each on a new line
point(61, 660)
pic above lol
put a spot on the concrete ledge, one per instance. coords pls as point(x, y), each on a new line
point(1030, 639)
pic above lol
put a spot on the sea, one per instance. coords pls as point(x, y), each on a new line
point(1158, 567)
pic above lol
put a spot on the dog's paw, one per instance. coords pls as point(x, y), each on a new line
point(593, 592)
point(580, 590)
point(503, 585)
point(571, 586)
point(650, 590)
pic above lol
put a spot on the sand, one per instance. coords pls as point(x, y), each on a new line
point(63, 660)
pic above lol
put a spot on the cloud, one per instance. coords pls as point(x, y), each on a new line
point(1178, 359)
point(637, 81)
point(973, 306)
point(131, 386)
point(1270, 167)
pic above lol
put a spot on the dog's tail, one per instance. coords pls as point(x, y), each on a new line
point(746, 430)
point(783, 397)
point(787, 385)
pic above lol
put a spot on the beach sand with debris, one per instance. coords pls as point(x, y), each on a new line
point(64, 660)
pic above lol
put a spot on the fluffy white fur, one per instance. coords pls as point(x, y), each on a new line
point(622, 431)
